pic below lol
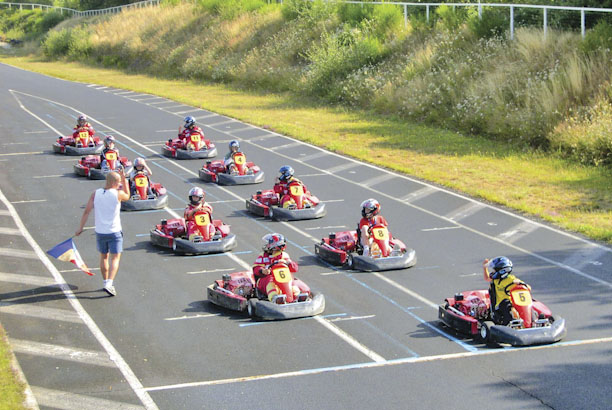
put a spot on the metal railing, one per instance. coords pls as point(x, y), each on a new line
point(428, 6)
point(511, 7)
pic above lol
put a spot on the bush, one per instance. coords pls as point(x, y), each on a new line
point(599, 38)
point(493, 22)
point(57, 44)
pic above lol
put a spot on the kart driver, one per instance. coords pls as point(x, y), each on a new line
point(141, 167)
point(196, 204)
point(228, 161)
point(497, 271)
point(82, 125)
point(283, 180)
point(274, 245)
point(370, 212)
point(189, 128)
point(109, 145)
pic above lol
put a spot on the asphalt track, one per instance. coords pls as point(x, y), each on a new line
point(160, 344)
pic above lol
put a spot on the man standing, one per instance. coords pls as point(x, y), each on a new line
point(109, 238)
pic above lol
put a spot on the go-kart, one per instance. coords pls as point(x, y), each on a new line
point(237, 291)
point(236, 171)
point(172, 234)
point(145, 195)
point(470, 312)
point(83, 144)
point(194, 147)
point(386, 252)
point(298, 204)
point(91, 165)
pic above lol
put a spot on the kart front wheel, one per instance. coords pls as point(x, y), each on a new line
point(349, 261)
point(485, 331)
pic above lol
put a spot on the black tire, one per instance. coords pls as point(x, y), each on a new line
point(349, 261)
point(485, 331)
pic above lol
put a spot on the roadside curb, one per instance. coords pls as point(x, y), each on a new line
point(30, 401)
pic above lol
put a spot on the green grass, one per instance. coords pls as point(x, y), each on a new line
point(572, 196)
point(11, 390)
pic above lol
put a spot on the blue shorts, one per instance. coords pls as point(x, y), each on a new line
point(109, 242)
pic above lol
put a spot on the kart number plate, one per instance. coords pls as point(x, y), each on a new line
point(202, 219)
point(195, 137)
point(381, 234)
point(140, 181)
point(296, 190)
point(282, 275)
point(521, 297)
point(111, 156)
point(239, 159)
point(83, 135)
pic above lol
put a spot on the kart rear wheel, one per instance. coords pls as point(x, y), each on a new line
point(485, 331)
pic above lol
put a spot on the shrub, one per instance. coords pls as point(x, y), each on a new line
point(600, 37)
point(56, 44)
point(492, 23)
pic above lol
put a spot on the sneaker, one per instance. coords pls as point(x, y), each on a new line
point(110, 289)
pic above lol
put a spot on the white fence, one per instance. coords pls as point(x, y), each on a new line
point(580, 11)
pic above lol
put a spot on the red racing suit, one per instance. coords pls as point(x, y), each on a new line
point(264, 281)
point(192, 227)
point(364, 237)
point(281, 189)
point(87, 127)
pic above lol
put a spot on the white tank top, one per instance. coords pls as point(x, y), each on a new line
point(107, 208)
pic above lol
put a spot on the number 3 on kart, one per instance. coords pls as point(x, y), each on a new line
point(202, 219)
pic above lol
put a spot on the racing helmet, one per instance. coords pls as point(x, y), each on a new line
point(499, 267)
point(139, 163)
point(198, 193)
point(273, 242)
point(369, 208)
point(81, 120)
point(109, 140)
point(189, 121)
point(234, 144)
point(286, 172)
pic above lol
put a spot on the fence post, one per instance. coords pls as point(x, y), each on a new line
point(427, 12)
point(405, 16)
point(511, 22)
point(582, 23)
point(545, 21)
point(479, 11)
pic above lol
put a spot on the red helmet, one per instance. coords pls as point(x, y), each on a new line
point(369, 208)
point(198, 193)
point(273, 242)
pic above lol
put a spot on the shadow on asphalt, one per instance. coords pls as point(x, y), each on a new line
point(204, 306)
point(47, 293)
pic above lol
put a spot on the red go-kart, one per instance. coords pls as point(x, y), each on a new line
point(145, 195)
point(207, 236)
point(298, 204)
point(193, 147)
point(83, 144)
point(533, 323)
point(91, 166)
point(238, 291)
point(386, 251)
point(236, 171)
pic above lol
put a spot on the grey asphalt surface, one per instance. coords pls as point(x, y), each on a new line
point(378, 343)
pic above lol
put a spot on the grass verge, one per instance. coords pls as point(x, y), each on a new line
point(574, 197)
point(11, 389)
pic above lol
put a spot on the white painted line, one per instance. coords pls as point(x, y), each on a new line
point(313, 175)
point(101, 88)
point(98, 358)
point(73, 159)
point(166, 131)
point(419, 193)
point(314, 156)
point(18, 253)
point(27, 279)
point(4, 212)
point(67, 401)
point(31, 310)
point(29, 201)
point(22, 153)
point(342, 167)
point(36, 132)
point(210, 271)
point(76, 270)
point(201, 117)
point(588, 255)
point(185, 112)
point(226, 201)
point(125, 369)
point(193, 316)
point(445, 228)
point(172, 106)
point(325, 227)
point(48, 176)
point(157, 144)
point(92, 85)
point(10, 231)
point(263, 137)
point(464, 211)
point(340, 319)
point(16, 143)
point(378, 179)
point(518, 231)
point(395, 362)
point(335, 272)
point(350, 340)
point(327, 201)
point(290, 145)
point(125, 92)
